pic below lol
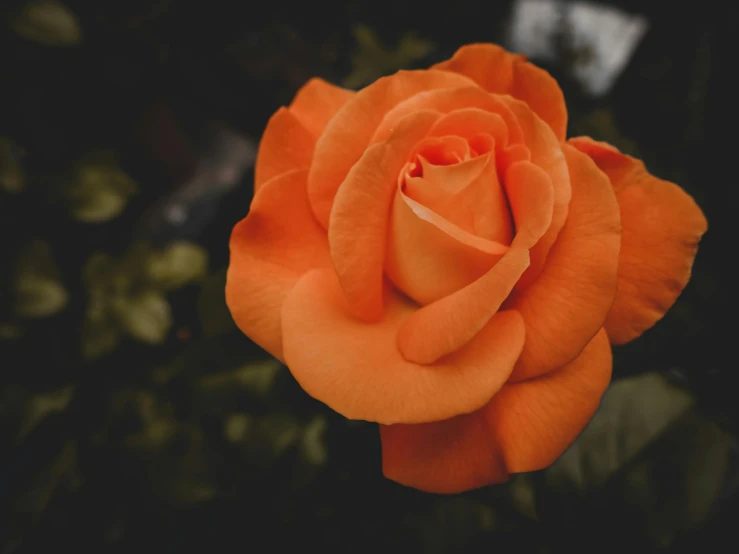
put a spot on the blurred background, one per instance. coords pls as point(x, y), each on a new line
point(135, 417)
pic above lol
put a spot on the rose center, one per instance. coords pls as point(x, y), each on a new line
point(458, 179)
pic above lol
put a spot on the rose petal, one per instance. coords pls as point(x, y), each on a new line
point(444, 457)
point(270, 249)
point(317, 102)
point(447, 324)
point(546, 153)
point(286, 145)
point(444, 326)
point(467, 194)
point(446, 100)
point(359, 220)
point(348, 134)
point(535, 421)
point(525, 427)
point(567, 304)
point(356, 369)
point(501, 72)
point(662, 226)
point(429, 257)
point(468, 122)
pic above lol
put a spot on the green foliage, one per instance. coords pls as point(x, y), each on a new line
point(48, 22)
point(373, 60)
point(127, 294)
point(176, 265)
point(38, 292)
point(12, 175)
point(648, 462)
point(97, 190)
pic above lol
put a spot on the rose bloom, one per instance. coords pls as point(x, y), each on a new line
point(431, 253)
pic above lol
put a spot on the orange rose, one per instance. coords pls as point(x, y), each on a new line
point(429, 253)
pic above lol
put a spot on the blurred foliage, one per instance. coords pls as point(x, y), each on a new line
point(373, 60)
point(97, 190)
point(134, 416)
point(36, 286)
point(128, 293)
point(48, 22)
point(12, 176)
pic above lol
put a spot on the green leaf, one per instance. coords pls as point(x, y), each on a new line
point(313, 442)
point(98, 189)
point(39, 297)
point(647, 468)
point(177, 265)
point(146, 316)
point(36, 498)
point(48, 22)
point(12, 176)
point(37, 289)
point(237, 426)
point(633, 412)
point(215, 317)
point(256, 378)
point(99, 336)
point(273, 434)
point(42, 405)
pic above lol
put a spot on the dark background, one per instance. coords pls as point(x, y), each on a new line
point(135, 417)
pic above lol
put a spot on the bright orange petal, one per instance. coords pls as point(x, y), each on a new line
point(444, 457)
point(348, 134)
point(359, 220)
point(662, 226)
point(535, 421)
point(568, 303)
point(546, 153)
point(286, 145)
point(502, 72)
point(271, 248)
point(317, 102)
point(356, 369)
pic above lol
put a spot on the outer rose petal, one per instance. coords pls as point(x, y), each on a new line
point(286, 145)
point(536, 421)
point(348, 134)
point(450, 322)
point(359, 220)
point(568, 303)
point(662, 226)
point(317, 102)
point(270, 249)
point(356, 369)
point(501, 72)
point(443, 457)
point(525, 427)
